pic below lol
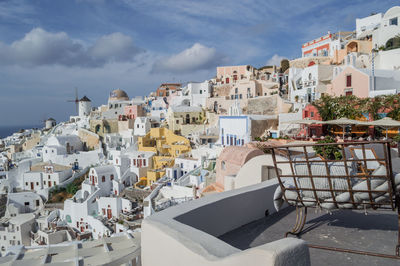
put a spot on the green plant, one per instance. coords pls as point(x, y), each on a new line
point(71, 188)
point(396, 138)
point(330, 152)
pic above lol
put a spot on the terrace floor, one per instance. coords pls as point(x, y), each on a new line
point(375, 232)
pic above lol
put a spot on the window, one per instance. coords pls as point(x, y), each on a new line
point(177, 121)
point(348, 81)
point(201, 92)
point(26, 183)
point(348, 93)
point(55, 183)
point(240, 96)
point(111, 177)
point(223, 165)
point(37, 202)
point(134, 161)
point(37, 183)
point(236, 90)
point(312, 114)
point(393, 21)
point(144, 162)
point(103, 179)
point(26, 203)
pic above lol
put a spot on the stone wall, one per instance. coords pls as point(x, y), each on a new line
point(263, 106)
point(91, 139)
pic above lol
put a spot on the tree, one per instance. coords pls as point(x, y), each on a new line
point(284, 65)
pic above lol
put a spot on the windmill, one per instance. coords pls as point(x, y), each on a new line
point(76, 101)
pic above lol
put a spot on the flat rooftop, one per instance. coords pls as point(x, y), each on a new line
point(348, 229)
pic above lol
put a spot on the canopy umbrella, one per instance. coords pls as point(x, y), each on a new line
point(343, 123)
point(385, 123)
point(303, 122)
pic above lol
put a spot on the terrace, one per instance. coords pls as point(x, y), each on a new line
point(242, 226)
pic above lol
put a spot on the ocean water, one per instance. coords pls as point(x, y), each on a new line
point(6, 131)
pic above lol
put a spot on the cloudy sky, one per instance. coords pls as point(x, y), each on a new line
point(48, 47)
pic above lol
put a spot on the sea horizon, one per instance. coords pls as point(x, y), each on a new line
point(6, 130)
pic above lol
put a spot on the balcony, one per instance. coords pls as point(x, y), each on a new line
point(241, 227)
point(189, 233)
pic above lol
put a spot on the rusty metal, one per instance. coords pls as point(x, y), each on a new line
point(301, 217)
point(392, 202)
point(353, 251)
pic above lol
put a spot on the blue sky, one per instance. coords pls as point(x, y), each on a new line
point(48, 47)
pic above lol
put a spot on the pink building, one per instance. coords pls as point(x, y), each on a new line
point(351, 81)
point(133, 111)
point(311, 112)
point(230, 74)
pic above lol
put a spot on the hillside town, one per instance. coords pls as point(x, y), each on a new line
point(91, 186)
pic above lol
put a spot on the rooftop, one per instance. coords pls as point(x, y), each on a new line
point(347, 229)
point(119, 249)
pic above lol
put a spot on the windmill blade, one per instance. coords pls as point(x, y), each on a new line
point(76, 94)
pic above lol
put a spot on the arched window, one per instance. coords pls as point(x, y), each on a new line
point(111, 177)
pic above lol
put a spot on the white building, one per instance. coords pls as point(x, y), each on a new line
point(385, 38)
point(61, 145)
point(158, 108)
point(84, 211)
point(182, 166)
point(198, 92)
point(16, 231)
point(138, 161)
point(306, 85)
point(141, 126)
point(68, 149)
point(239, 130)
point(389, 27)
point(45, 175)
point(365, 26)
point(111, 207)
point(23, 202)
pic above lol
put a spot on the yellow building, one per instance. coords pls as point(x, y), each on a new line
point(167, 146)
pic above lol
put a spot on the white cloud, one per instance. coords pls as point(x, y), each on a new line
point(39, 47)
point(197, 57)
point(115, 46)
point(275, 60)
